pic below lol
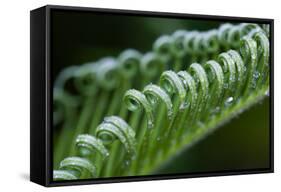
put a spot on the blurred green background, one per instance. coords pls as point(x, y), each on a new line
point(80, 37)
point(241, 144)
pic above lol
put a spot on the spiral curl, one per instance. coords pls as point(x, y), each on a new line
point(171, 82)
point(201, 79)
point(114, 127)
point(190, 86)
point(87, 144)
point(215, 76)
point(107, 75)
point(188, 41)
point(210, 41)
point(129, 62)
point(77, 165)
point(223, 33)
point(65, 76)
point(229, 69)
point(151, 65)
point(178, 43)
point(163, 46)
point(240, 69)
point(86, 77)
point(249, 53)
point(154, 93)
point(263, 60)
point(136, 100)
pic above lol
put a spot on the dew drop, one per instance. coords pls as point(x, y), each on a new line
point(228, 101)
point(183, 106)
point(158, 139)
point(185, 83)
point(256, 74)
point(150, 124)
point(127, 162)
point(170, 114)
point(266, 92)
point(231, 79)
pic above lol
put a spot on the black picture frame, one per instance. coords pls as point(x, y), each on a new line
point(41, 96)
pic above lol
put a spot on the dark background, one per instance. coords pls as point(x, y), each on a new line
point(80, 37)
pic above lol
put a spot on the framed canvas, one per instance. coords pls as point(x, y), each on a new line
point(125, 95)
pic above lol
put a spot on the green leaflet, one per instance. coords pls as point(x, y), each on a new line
point(135, 100)
point(151, 65)
point(163, 46)
point(171, 82)
point(190, 87)
point(77, 165)
point(154, 93)
point(129, 62)
point(107, 74)
point(114, 127)
point(87, 144)
point(59, 175)
point(85, 78)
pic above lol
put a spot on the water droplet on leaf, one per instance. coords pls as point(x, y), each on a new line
point(127, 162)
point(150, 124)
point(183, 106)
point(256, 75)
point(229, 101)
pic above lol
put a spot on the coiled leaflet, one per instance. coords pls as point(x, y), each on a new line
point(77, 165)
point(190, 87)
point(88, 144)
point(151, 65)
point(248, 50)
point(107, 74)
point(170, 81)
point(86, 79)
point(153, 93)
point(60, 175)
point(114, 127)
point(128, 63)
point(136, 100)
